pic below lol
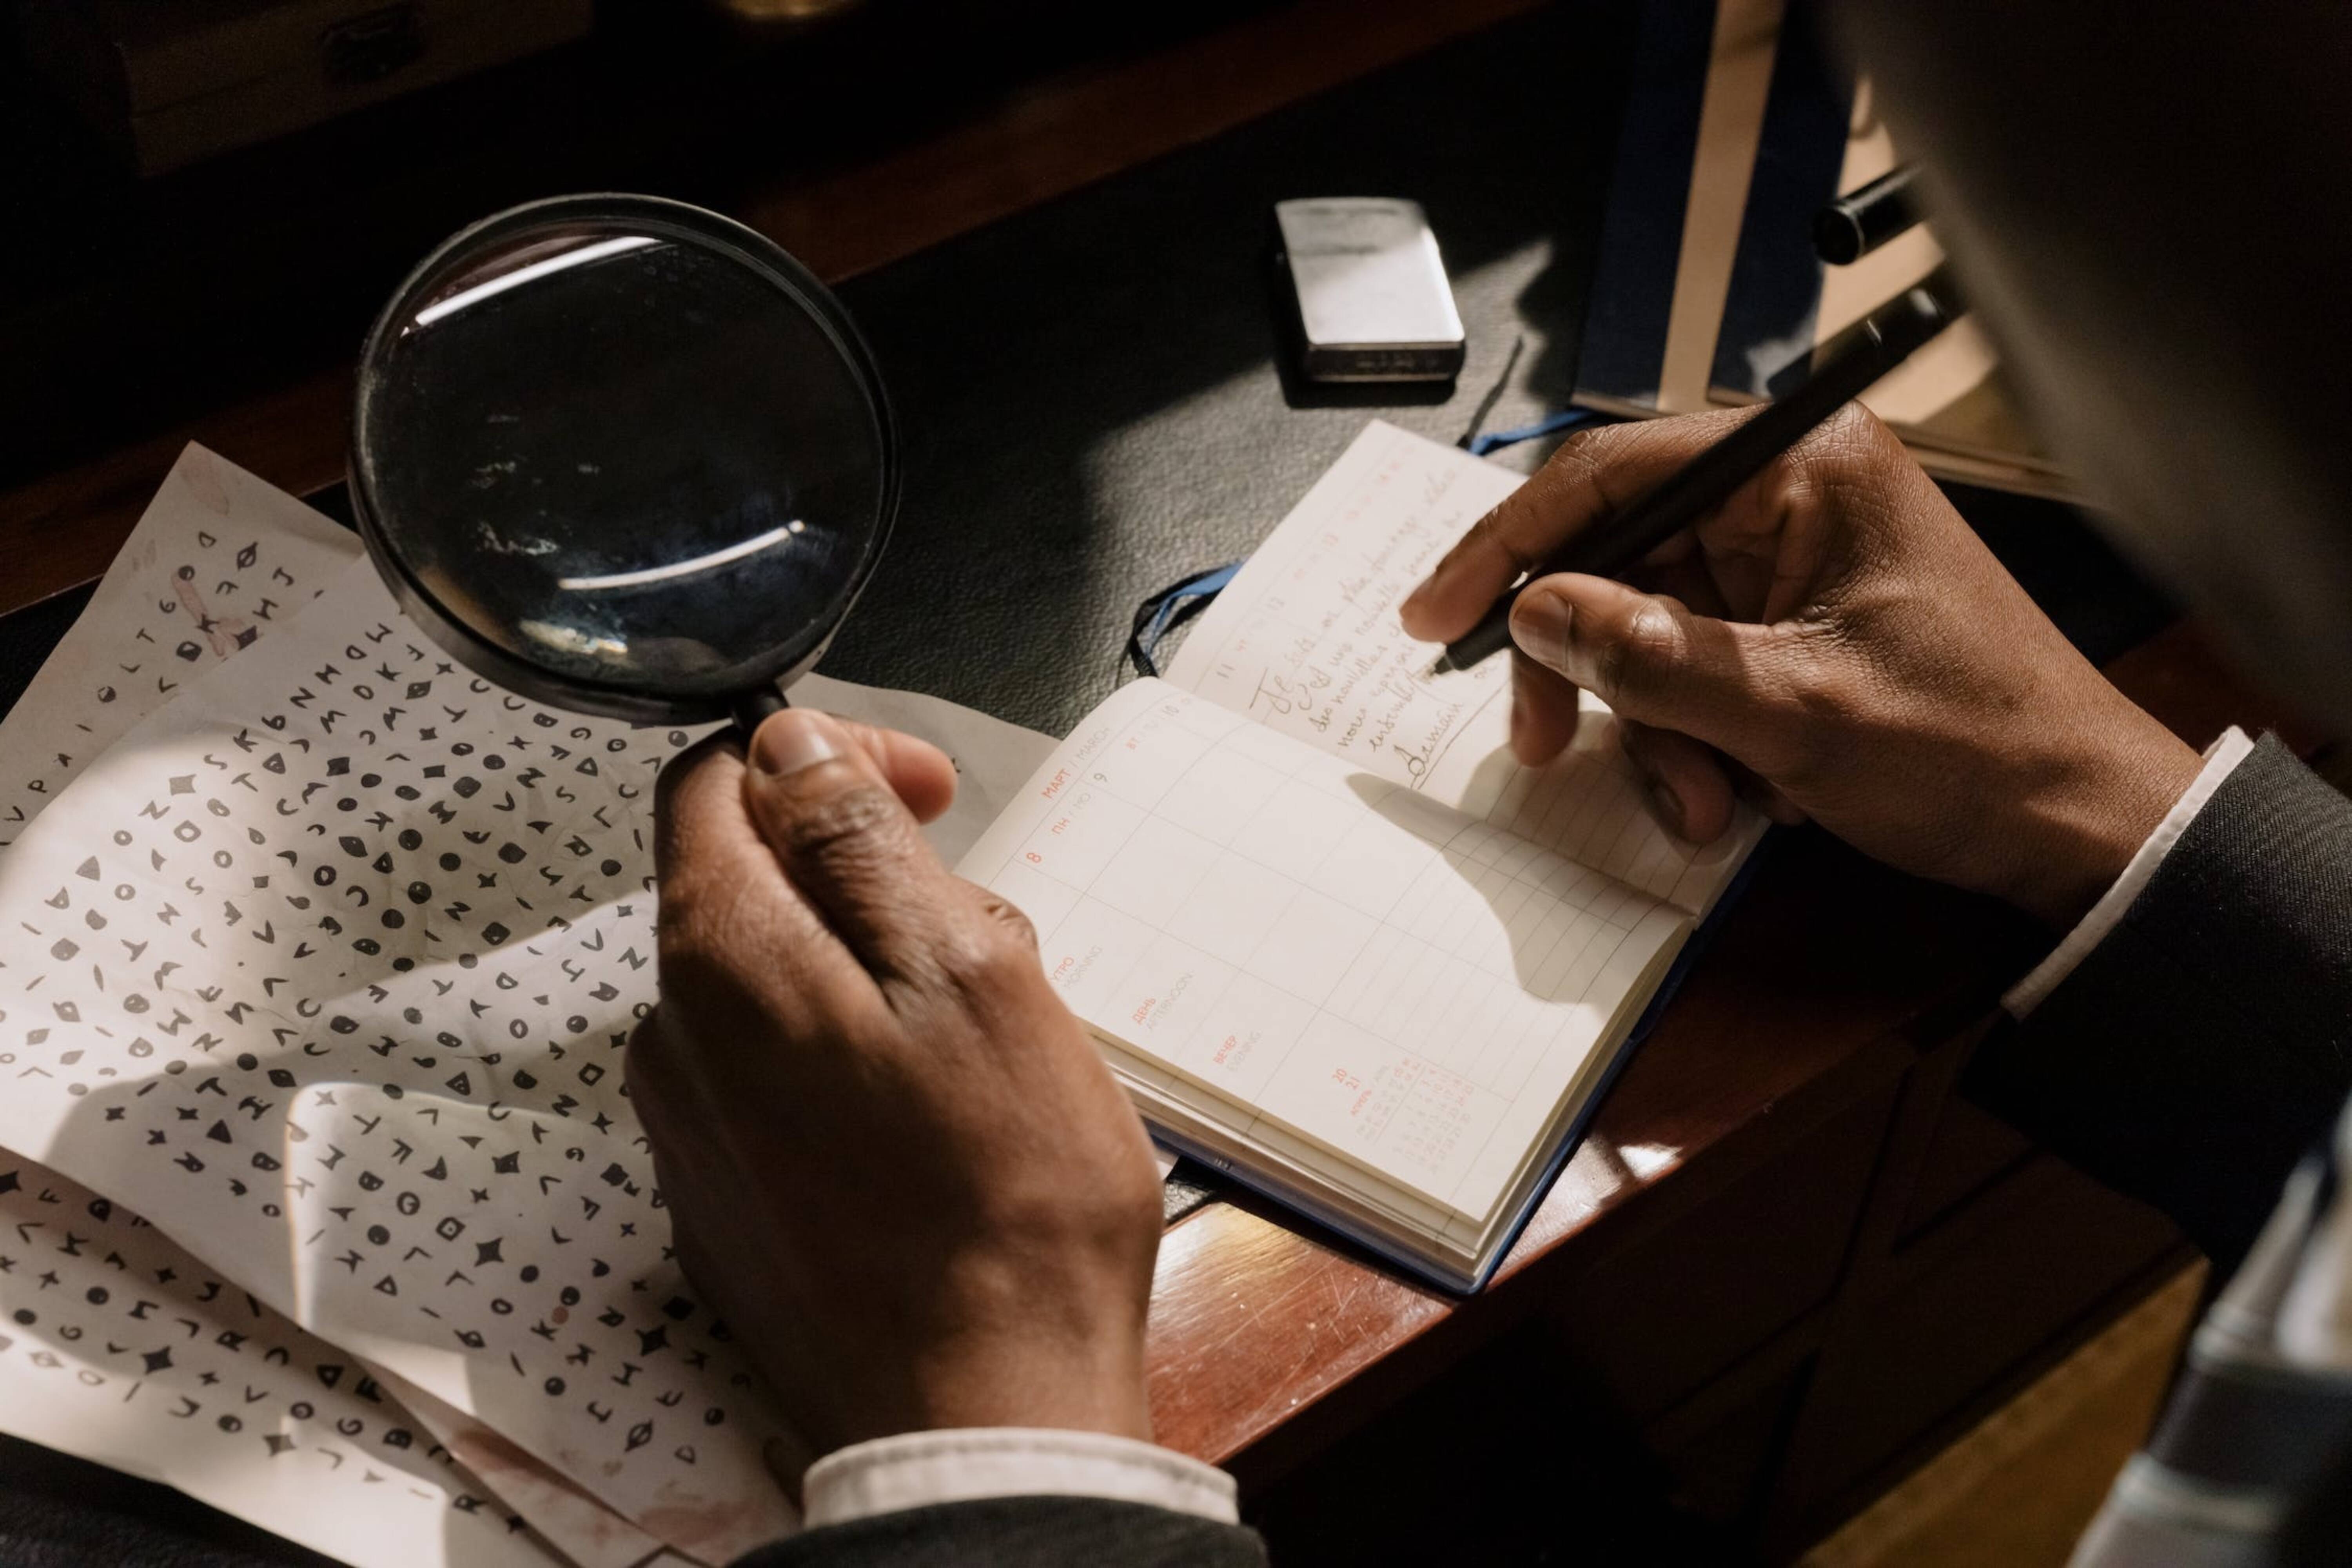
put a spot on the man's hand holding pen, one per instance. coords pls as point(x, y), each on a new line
point(1833, 642)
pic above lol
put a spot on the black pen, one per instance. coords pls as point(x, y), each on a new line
point(1868, 349)
point(1859, 222)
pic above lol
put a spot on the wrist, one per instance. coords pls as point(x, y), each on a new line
point(2091, 810)
point(1047, 1382)
point(1045, 1335)
point(1095, 1389)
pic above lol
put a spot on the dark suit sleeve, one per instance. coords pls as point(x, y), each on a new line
point(2201, 1050)
point(1034, 1531)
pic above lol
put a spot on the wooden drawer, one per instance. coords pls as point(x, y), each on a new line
point(1957, 1321)
point(1655, 1320)
point(1718, 1470)
point(1968, 1153)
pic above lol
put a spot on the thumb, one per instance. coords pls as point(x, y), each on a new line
point(846, 842)
point(1654, 662)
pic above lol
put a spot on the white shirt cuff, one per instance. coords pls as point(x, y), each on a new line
point(2222, 756)
point(917, 1470)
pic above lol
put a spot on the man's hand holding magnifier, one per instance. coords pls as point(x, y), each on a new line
point(893, 1158)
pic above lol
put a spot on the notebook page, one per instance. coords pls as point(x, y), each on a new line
point(1306, 641)
point(1337, 954)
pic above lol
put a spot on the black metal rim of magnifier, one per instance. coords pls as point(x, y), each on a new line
point(696, 225)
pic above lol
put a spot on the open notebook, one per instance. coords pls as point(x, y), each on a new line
point(1332, 938)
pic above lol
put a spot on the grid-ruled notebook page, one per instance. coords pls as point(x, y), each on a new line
point(1306, 641)
point(1368, 968)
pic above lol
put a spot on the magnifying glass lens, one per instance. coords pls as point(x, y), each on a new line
point(620, 455)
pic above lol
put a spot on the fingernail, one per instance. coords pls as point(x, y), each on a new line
point(793, 740)
point(1539, 625)
point(1667, 806)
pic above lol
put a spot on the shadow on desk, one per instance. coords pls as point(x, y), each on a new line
point(57, 1510)
point(1515, 1458)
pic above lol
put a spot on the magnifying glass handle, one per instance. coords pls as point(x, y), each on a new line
point(750, 708)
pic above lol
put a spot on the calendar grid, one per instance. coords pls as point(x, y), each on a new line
point(1346, 958)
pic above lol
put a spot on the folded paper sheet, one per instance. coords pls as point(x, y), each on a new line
point(327, 969)
point(305, 1445)
point(586, 1531)
point(218, 561)
point(119, 1346)
point(219, 566)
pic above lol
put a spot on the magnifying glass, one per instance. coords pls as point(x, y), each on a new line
point(623, 456)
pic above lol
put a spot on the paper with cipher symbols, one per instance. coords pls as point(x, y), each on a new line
point(117, 1345)
point(218, 561)
point(327, 969)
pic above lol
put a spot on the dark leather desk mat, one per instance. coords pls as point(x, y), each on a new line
point(1087, 389)
point(1091, 411)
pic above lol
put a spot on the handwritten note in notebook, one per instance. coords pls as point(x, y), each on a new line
point(1306, 641)
point(1329, 933)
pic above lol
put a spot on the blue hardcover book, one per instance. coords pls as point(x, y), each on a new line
point(1621, 350)
point(1820, 135)
point(1331, 937)
point(1738, 127)
point(1764, 342)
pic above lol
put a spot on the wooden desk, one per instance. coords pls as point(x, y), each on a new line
point(1787, 1260)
